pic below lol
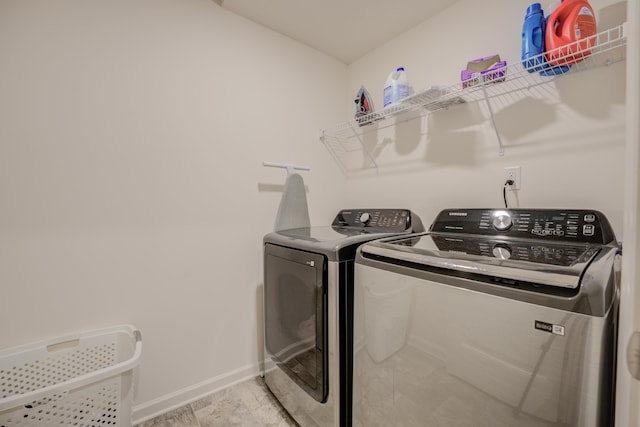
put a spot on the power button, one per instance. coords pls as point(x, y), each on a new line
point(588, 229)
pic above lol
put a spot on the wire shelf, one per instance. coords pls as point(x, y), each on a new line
point(346, 141)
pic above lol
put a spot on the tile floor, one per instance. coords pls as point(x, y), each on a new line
point(247, 404)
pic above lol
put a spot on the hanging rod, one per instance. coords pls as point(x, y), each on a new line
point(288, 166)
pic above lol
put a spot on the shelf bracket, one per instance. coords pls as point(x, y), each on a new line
point(358, 135)
point(493, 120)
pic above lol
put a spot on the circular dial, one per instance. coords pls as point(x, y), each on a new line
point(502, 221)
point(502, 251)
point(365, 218)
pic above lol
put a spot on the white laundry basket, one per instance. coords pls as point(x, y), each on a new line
point(84, 380)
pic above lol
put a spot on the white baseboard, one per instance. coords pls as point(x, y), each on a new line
point(148, 410)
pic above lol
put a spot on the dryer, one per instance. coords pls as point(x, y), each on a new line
point(495, 317)
point(308, 306)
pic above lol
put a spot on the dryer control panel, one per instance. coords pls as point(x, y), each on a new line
point(389, 220)
point(584, 226)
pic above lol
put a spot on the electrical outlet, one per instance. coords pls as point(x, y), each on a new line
point(513, 173)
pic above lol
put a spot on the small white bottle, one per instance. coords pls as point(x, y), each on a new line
point(396, 87)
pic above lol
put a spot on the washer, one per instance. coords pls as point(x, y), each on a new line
point(493, 318)
point(308, 305)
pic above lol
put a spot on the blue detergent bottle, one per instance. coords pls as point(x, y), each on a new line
point(533, 39)
point(533, 45)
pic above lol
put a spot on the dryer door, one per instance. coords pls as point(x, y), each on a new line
point(296, 316)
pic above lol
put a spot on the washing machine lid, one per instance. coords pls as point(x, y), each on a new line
point(550, 264)
point(531, 246)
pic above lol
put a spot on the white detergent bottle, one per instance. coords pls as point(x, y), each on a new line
point(396, 87)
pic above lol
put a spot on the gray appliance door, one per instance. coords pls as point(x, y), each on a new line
point(296, 317)
point(430, 353)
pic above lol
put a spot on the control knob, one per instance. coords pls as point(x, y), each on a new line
point(502, 221)
point(365, 218)
point(502, 251)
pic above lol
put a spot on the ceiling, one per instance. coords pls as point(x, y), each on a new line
point(344, 29)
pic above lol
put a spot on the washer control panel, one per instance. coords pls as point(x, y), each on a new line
point(392, 220)
point(550, 253)
point(585, 226)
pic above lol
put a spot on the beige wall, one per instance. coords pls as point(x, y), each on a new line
point(568, 136)
point(131, 180)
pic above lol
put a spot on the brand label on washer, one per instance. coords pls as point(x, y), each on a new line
point(549, 327)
